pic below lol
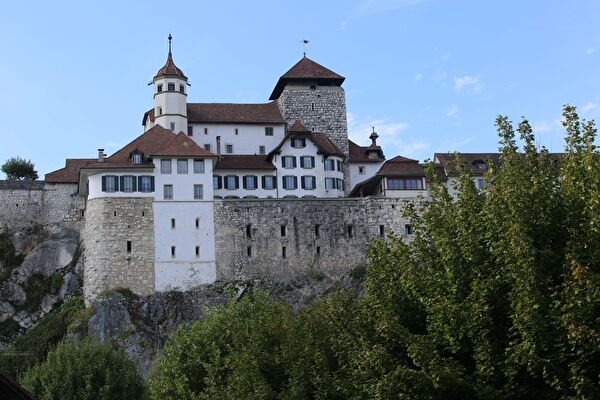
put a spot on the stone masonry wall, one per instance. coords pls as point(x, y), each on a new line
point(63, 206)
point(334, 251)
point(109, 224)
point(322, 109)
point(21, 203)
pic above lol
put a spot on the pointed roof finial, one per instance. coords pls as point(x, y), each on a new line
point(373, 137)
point(170, 38)
point(304, 43)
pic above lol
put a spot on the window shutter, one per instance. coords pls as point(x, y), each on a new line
point(104, 183)
point(301, 162)
point(122, 182)
point(302, 180)
point(244, 183)
point(295, 182)
point(283, 182)
point(274, 182)
point(237, 182)
point(314, 182)
point(225, 182)
point(263, 180)
point(255, 178)
point(116, 183)
point(134, 184)
point(152, 184)
point(312, 162)
point(303, 142)
point(219, 182)
point(294, 162)
point(139, 180)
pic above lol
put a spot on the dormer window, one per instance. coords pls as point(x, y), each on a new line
point(480, 164)
point(171, 87)
point(137, 158)
point(298, 143)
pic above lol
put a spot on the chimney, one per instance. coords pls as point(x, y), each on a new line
point(218, 145)
point(100, 155)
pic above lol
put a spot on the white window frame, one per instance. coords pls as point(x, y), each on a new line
point(168, 194)
point(199, 166)
point(182, 166)
point(198, 192)
point(163, 166)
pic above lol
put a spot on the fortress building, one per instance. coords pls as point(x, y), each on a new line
point(222, 191)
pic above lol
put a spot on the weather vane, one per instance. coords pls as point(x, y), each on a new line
point(304, 43)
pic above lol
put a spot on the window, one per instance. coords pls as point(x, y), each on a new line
point(298, 143)
point(206, 131)
point(381, 230)
point(109, 184)
point(269, 182)
point(181, 88)
point(228, 148)
point(146, 184)
point(290, 182)
point(197, 223)
point(312, 106)
point(236, 130)
point(249, 231)
point(309, 182)
point(168, 192)
point(329, 183)
point(182, 166)
point(197, 251)
point(172, 223)
point(318, 250)
point(339, 184)
point(165, 166)
point(250, 182)
point(288, 162)
point(172, 251)
point(207, 147)
point(268, 131)
point(307, 162)
point(159, 88)
point(198, 166)
point(249, 251)
point(480, 183)
point(317, 230)
point(404, 183)
point(231, 182)
point(137, 158)
point(190, 130)
point(261, 150)
point(350, 229)
point(408, 229)
point(159, 110)
point(361, 170)
point(217, 182)
point(283, 252)
point(172, 126)
point(283, 230)
point(128, 184)
point(329, 165)
point(198, 192)
point(129, 247)
point(340, 166)
point(171, 87)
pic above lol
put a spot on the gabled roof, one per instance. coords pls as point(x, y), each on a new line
point(321, 140)
point(475, 162)
point(70, 172)
point(264, 113)
point(252, 162)
point(361, 153)
point(181, 145)
point(170, 69)
point(306, 70)
point(401, 166)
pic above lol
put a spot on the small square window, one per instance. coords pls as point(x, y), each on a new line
point(207, 147)
point(168, 192)
point(159, 88)
point(261, 150)
point(182, 88)
point(137, 158)
point(198, 192)
point(408, 229)
point(268, 130)
point(361, 170)
point(165, 166)
point(171, 87)
point(198, 166)
point(110, 184)
point(182, 166)
point(228, 148)
point(172, 126)
point(190, 130)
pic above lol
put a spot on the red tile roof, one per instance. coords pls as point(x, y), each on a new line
point(299, 127)
point(401, 166)
point(264, 113)
point(70, 172)
point(475, 162)
point(244, 162)
point(306, 70)
point(170, 69)
point(182, 145)
point(321, 140)
point(361, 153)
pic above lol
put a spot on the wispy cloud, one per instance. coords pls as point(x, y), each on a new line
point(466, 81)
point(589, 107)
point(392, 135)
point(418, 77)
point(453, 111)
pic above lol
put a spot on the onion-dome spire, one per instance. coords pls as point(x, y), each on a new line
point(373, 137)
point(170, 69)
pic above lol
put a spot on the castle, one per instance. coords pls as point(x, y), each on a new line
point(215, 191)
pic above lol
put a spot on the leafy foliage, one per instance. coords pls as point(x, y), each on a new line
point(17, 168)
point(85, 370)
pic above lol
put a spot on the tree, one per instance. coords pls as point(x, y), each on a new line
point(85, 371)
point(17, 168)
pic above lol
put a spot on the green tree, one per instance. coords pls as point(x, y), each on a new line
point(82, 371)
point(18, 168)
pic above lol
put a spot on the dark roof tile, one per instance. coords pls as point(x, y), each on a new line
point(252, 162)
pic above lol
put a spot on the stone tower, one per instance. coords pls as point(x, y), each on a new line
point(170, 97)
point(314, 95)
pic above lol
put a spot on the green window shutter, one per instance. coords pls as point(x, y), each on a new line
point(104, 183)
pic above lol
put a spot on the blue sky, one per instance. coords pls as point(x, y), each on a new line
point(431, 75)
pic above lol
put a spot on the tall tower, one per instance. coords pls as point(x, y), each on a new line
point(170, 97)
point(313, 94)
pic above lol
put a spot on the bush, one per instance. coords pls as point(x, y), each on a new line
point(82, 371)
point(18, 168)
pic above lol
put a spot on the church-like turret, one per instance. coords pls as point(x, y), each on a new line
point(170, 97)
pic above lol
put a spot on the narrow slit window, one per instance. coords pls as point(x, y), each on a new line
point(249, 231)
point(172, 251)
point(172, 223)
point(350, 231)
point(317, 230)
point(114, 213)
point(318, 250)
point(197, 251)
point(197, 223)
point(284, 252)
point(129, 247)
point(283, 231)
point(249, 251)
point(381, 230)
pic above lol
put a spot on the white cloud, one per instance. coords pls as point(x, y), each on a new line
point(392, 136)
point(461, 82)
point(453, 111)
point(418, 77)
point(589, 107)
point(590, 50)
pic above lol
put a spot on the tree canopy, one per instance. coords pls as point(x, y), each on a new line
point(17, 168)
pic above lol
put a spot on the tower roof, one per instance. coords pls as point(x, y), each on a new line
point(170, 69)
point(306, 70)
